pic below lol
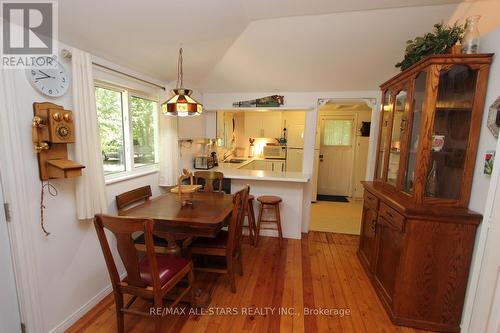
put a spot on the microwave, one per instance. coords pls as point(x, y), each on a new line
point(274, 152)
point(203, 162)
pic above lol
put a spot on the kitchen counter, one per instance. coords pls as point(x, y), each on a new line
point(292, 187)
point(235, 171)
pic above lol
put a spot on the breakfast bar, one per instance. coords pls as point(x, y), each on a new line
point(290, 186)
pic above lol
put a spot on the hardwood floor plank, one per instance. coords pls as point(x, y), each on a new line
point(320, 270)
point(307, 286)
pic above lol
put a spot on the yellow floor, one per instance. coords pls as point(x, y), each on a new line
point(337, 217)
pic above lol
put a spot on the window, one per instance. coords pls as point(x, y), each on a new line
point(128, 127)
point(337, 132)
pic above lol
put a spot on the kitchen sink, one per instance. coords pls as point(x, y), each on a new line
point(235, 160)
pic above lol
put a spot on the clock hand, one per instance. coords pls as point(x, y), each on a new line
point(41, 78)
point(45, 74)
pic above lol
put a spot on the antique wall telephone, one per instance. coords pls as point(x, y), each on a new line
point(52, 130)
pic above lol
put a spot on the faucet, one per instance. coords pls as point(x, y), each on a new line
point(226, 155)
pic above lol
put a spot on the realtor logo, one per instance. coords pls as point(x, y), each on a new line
point(28, 35)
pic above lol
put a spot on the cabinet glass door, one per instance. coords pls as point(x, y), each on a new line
point(398, 128)
point(450, 135)
point(416, 117)
point(386, 113)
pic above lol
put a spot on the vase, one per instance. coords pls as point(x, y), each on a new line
point(431, 184)
point(470, 42)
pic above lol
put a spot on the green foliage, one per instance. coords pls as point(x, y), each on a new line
point(436, 42)
point(109, 113)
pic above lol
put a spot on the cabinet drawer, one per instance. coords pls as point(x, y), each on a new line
point(392, 216)
point(370, 200)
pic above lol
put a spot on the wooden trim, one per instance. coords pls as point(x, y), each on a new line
point(14, 171)
point(437, 59)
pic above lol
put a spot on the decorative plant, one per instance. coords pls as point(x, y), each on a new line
point(439, 41)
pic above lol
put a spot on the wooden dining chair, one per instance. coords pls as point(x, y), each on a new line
point(209, 178)
point(227, 243)
point(149, 276)
point(129, 199)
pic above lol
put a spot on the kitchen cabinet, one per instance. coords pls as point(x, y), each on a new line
point(266, 165)
point(417, 235)
point(263, 124)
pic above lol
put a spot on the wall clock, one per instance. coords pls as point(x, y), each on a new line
point(53, 82)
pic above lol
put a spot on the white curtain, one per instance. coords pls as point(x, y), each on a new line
point(169, 151)
point(90, 188)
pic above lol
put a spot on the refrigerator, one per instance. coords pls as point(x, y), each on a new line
point(295, 145)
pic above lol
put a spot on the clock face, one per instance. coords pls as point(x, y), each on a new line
point(53, 82)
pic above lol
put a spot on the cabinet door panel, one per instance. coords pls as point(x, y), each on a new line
point(367, 243)
point(450, 133)
point(398, 128)
point(389, 253)
point(382, 145)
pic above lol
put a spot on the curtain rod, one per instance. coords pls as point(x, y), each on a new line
point(67, 54)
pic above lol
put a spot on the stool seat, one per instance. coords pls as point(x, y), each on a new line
point(269, 199)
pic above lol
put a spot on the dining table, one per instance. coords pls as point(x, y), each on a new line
point(177, 217)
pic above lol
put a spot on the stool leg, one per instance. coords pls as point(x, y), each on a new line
point(278, 222)
point(261, 208)
point(251, 223)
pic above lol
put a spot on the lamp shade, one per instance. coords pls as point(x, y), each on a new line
point(181, 104)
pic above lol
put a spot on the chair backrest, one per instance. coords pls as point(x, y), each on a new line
point(123, 228)
point(126, 199)
point(208, 178)
point(240, 202)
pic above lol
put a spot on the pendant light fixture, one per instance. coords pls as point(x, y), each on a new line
point(181, 104)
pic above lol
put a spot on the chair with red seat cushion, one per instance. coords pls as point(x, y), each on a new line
point(150, 275)
point(227, 243)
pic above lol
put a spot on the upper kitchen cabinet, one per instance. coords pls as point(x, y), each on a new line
point(263, 124)
point(430, 122)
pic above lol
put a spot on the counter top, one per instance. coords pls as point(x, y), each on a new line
point(235, 171)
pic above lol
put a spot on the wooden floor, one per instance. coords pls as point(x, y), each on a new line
point(321, 271)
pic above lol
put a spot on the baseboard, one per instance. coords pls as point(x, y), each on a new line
point(75, 316)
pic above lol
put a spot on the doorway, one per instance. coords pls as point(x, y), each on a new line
point(342, 143)
point(336, 154)
point(9, 306)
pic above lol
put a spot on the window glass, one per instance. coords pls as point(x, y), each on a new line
point(143, 114)
point(337, 132)
point(110, 117)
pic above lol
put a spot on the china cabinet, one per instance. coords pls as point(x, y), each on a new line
point(417, 234)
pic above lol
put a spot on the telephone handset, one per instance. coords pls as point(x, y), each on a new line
point(53, 129)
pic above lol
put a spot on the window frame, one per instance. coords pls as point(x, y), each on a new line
point(353, 120)
point(130, 169)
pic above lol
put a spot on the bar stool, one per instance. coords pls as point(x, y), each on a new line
point(252, 226)
point(269, 202)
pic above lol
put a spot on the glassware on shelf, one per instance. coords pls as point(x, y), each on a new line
point(431, 186)
point(470, 42)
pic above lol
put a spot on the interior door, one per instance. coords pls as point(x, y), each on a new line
point(9, 309)
point(336, 155)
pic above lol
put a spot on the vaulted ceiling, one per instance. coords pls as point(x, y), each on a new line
point(254, 45)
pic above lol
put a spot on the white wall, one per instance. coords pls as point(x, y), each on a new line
point(490, 43)
point(69, 263)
